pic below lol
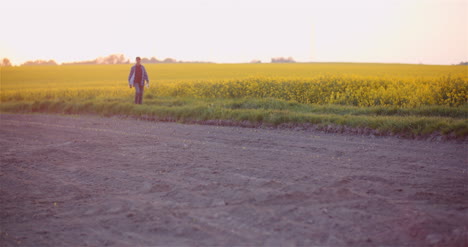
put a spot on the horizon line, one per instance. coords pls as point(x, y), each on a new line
point(175, 61)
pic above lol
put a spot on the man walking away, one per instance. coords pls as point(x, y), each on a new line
point(137, 79)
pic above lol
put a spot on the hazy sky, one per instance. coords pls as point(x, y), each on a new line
point(404, 31)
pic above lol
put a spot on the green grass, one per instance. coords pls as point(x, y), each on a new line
point(268, 112)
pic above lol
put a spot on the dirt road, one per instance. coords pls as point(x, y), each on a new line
point(90, 181)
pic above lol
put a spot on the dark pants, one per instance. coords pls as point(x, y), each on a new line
point(139, 88)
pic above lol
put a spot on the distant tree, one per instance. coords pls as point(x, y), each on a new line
point(169, 60)
point(463, 63)
point(39, 62)
point(112, 59)
point(256, 61)
point(5, 62)
point(154, 60)
point(145, 60)
point(151, 60)
point(282, 60)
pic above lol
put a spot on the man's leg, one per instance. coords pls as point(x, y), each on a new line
point(142, 89)
point(137, 93)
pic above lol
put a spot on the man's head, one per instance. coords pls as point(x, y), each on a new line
point(138, 60)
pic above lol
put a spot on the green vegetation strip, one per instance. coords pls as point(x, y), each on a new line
point(254, 112)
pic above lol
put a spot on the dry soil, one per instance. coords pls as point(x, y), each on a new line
point(91, 181)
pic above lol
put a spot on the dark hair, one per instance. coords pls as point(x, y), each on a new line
point(138, 58)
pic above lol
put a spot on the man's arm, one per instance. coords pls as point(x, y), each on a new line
point(132, 70)
point(145, 76)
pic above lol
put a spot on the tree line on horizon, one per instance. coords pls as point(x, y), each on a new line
point(121, 59)
point(111, 59)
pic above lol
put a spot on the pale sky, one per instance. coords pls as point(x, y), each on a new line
point(232, 31)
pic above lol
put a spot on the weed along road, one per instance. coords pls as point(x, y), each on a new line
point(81, 180)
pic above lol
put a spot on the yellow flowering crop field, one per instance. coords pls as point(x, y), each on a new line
point(344, 84)
point(420, 99)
